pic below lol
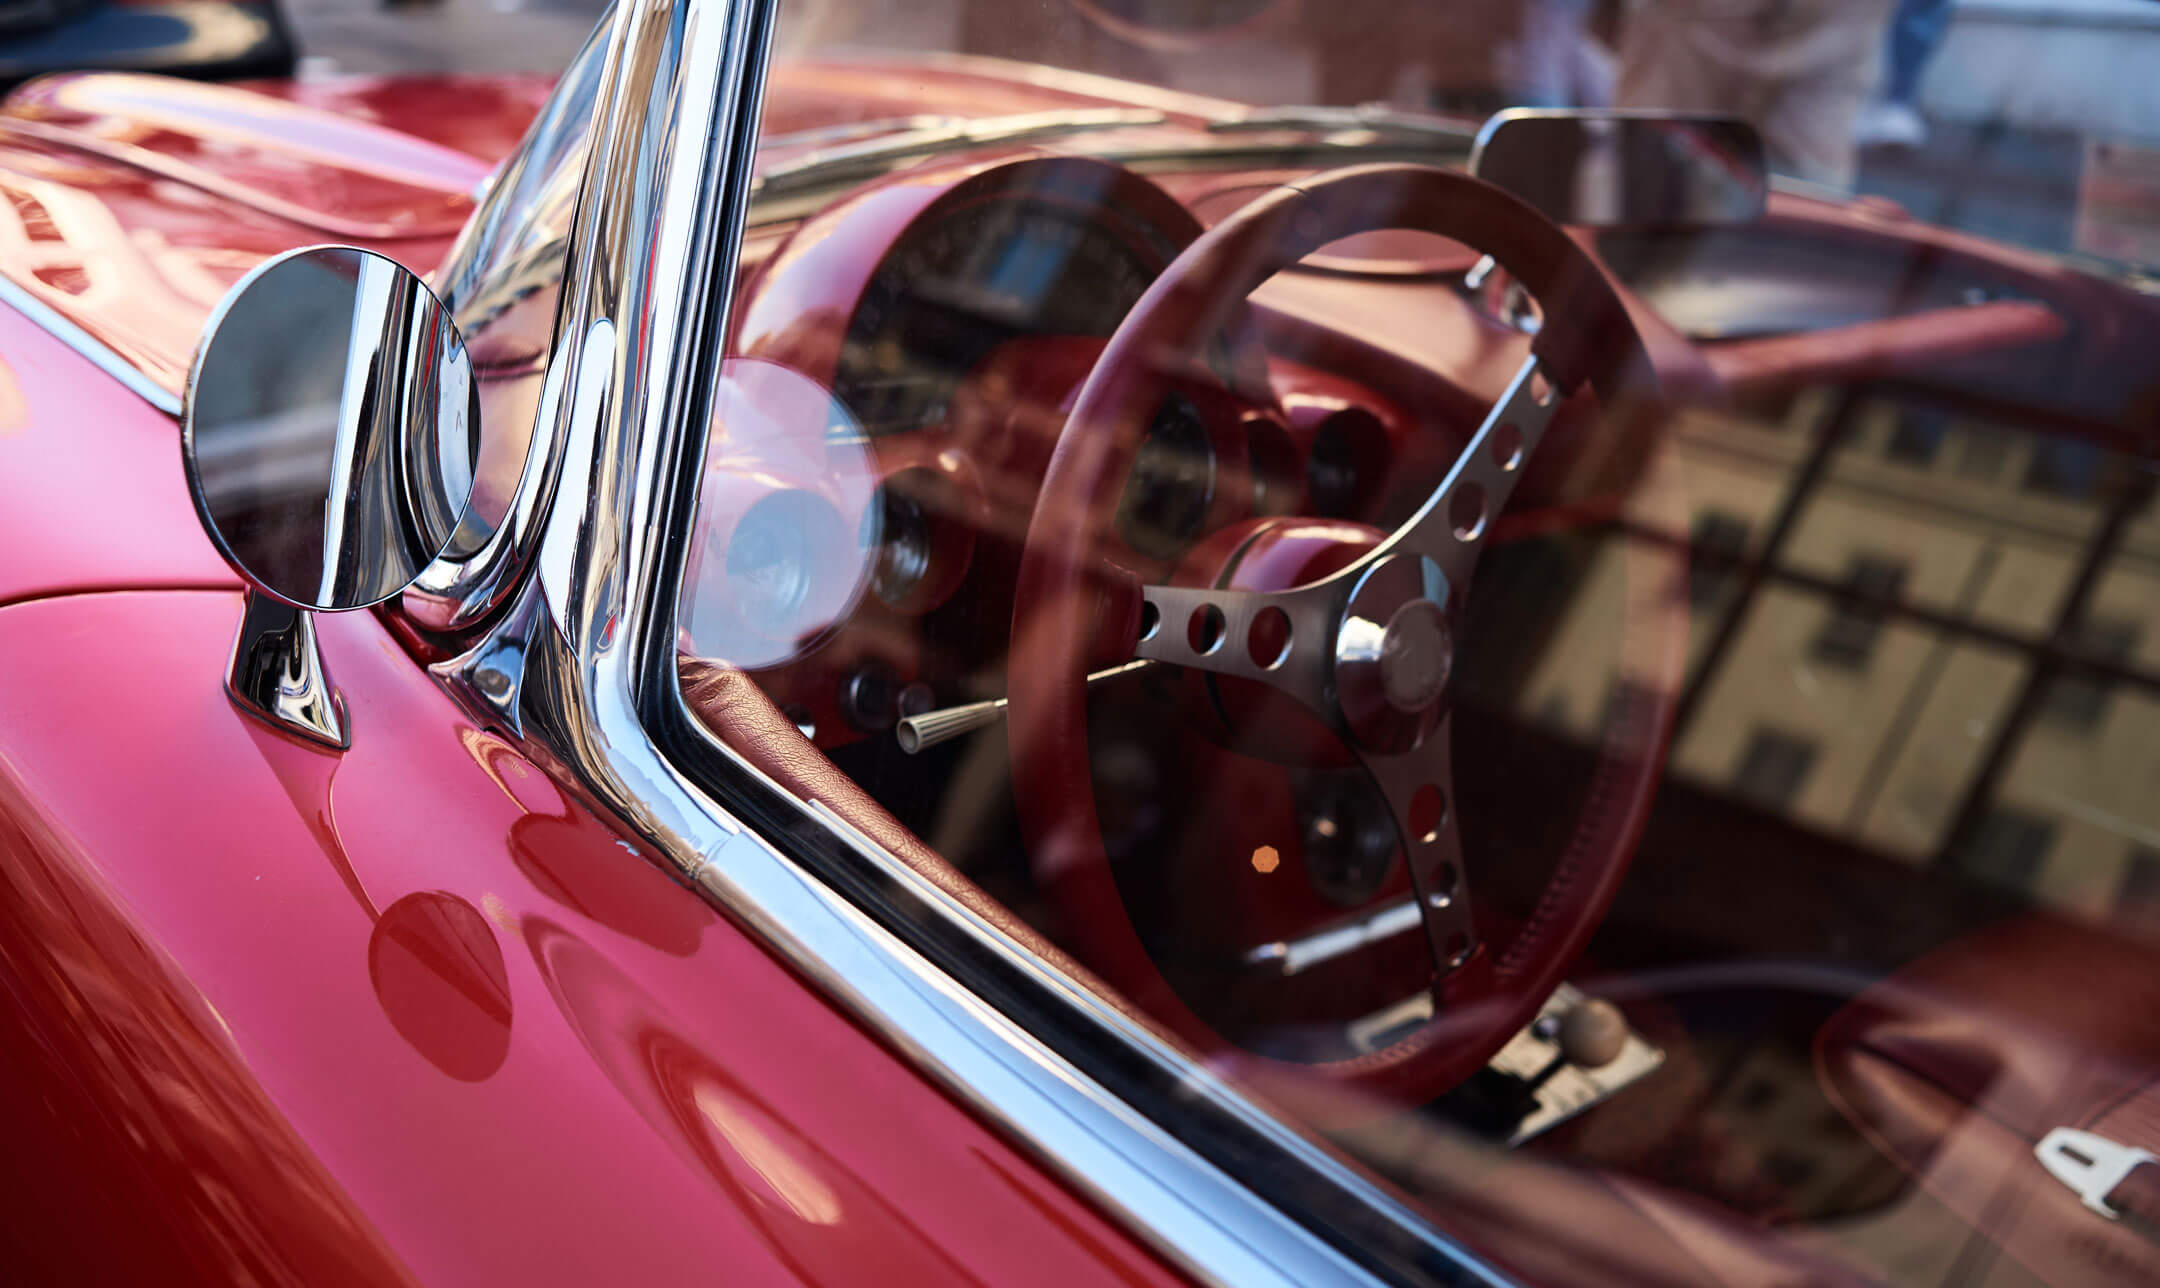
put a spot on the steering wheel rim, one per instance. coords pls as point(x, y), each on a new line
point(1588, 340)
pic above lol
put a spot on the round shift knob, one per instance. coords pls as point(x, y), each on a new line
point(1592, 1033)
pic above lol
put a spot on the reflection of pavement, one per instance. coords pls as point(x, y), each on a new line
point(2018, 94)
point(479, 36)
point(2017, 185)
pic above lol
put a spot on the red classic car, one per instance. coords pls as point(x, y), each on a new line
point(906, 665)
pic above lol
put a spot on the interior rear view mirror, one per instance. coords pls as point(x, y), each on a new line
point(1619, 169)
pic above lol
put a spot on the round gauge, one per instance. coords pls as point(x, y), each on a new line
point(773, 563)
point(1172, 484)
point(902, 544)
point(769, 563)
point(922, 524)
point(1350, 841)
point(1342, 465)
point(969, 278)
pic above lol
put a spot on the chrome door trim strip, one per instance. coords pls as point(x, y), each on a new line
point(64, 329)
point(1194, 1082)
point(1194, 1214)
point(582, 669)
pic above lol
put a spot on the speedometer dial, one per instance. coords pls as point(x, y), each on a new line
point(971, 278)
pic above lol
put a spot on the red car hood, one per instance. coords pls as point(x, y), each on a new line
point(133, 202)
point(137, 200)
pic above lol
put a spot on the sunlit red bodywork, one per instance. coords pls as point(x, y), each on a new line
point(409, 1012)
point(274, 1014)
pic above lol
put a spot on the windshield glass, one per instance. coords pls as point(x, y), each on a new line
point(2031, 123)
point(1638, 734)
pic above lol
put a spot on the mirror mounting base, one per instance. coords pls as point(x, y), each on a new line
point(278, 675)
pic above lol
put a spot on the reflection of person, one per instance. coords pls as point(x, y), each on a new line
point(1894, 120)
point(1798, 69)
point(1474, 55)
point(1061, 36)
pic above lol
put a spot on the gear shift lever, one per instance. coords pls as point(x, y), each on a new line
point(1590, 1035)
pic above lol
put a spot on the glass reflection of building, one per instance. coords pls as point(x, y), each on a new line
point(1920, 631)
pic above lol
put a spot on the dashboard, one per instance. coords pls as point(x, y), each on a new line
point(928, 333)
point(969, 278)
point(907, 360)
point(858, 552)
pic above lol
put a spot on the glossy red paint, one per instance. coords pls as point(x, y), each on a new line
point(133, 202)
point(341, 173)
point(137, 200)
point(91, 493)
point(410, 1011)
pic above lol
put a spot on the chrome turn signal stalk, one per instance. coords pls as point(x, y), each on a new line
point(918, 734)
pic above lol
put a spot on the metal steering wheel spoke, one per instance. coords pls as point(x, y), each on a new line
point(1420, 789)
point(1280, 638)
point(1452, 527)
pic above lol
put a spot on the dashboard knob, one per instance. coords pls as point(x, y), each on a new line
point(869, 697)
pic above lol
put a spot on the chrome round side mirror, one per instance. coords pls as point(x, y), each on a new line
point(331, 426)
point(329, 433)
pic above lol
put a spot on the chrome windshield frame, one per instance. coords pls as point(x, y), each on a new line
point(580, 666)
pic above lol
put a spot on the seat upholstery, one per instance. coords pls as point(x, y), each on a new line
point(1960, 1064)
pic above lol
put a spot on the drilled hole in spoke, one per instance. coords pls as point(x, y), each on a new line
point(1466, 512)
point(1457, 949)
point(1267, 642)
point(1150, 620)
point(1443, 882)
point(1428, 810)
point(1541, 389)
point(1506, 443)
point(1204, 630)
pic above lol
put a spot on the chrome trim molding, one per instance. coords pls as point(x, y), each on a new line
point(514, 245)
point(64, 329)
point(277, 674)
point(1288, 957)
point(582, 668)
point(1195, 1215)
point(862, 160)
point(478, 574)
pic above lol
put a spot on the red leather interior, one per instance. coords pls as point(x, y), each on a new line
point(1865, 350)
point(1959, 1065)
point(737, 711)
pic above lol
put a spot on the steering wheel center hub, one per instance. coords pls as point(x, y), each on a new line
point(1394, 651)
point(1416, 654)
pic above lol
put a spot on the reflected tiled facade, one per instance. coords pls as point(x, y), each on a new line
point(1865, 681)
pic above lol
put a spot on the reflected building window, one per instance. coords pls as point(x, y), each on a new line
point(1717, 541)
point(1848, 638)
point(2078, 699)
point(1983, 451)
point(2064, 467)
point(1773, 768)
point(2137, 899)
point(2007, 848)
point(1917, 436)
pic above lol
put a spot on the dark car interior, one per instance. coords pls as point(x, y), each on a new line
point(1888, 919)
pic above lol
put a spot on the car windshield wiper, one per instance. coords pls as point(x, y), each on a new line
point(871, 156)
point(1371, 118)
